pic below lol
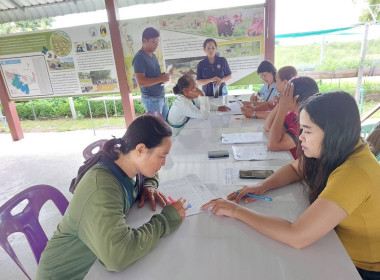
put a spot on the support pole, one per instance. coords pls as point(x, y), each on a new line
point(10, 112)
point(270, 7)
point(361, 67)
point(322, 55)
point(126, 96)
point(72, 108)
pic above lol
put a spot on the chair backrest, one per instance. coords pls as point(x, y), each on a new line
point(27, 221)
point(374, 140)
point(366, 129)
point(155, 113)
point(93, 148)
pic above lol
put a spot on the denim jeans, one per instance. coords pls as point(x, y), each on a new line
point(158, 104)
point(368, 275)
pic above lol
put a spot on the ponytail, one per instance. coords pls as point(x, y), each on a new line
point(148, 130)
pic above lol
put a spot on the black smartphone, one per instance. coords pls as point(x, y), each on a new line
point(218, 154)
point(255, 174)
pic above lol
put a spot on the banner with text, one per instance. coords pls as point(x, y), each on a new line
point(55, 63)
point(239, 33)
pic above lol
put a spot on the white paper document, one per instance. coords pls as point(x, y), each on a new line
point(191, 188)
point(235, 110)
point(257, 153)
point(244, 138)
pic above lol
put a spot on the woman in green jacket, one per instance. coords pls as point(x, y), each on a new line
point(94, 225)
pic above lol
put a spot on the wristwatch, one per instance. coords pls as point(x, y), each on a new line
point(254, 115)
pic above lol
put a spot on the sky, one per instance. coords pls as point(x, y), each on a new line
point(291, 15)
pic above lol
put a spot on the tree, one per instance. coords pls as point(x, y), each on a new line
point(366, 15)
point(26, 25)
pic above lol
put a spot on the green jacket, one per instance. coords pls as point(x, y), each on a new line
point(94, 226)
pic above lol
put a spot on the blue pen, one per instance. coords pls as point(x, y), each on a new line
point(257, 196)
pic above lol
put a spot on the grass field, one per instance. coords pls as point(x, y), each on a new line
point(67, 124)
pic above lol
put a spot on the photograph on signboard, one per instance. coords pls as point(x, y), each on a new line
point(64, 63)
point(98, 81)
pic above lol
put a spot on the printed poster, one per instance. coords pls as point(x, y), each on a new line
point(55, 63)
point(239, 33)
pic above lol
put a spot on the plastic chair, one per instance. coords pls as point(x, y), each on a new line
point(374, 140)
point(90, 150)
point(26, 221)
point(366, 129)
point(156, 114)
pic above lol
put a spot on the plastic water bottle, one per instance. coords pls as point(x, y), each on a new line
point(224, 94)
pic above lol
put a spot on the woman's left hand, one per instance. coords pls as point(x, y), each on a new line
point(221, 207)
point(224, 108)
point(288, 101)
point(152, 195)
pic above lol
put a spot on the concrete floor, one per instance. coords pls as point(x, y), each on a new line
point(40, 158)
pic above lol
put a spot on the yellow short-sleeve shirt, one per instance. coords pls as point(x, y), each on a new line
point(355, 186)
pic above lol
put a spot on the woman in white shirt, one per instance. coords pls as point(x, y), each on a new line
point(189, 103)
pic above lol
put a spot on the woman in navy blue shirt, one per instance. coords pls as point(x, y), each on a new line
point(213, 70)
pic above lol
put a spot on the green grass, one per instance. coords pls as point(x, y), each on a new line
point(337, 55)
point(68, 124)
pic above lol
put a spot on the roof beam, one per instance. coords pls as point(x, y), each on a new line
point(18, 6)
point(22, 8)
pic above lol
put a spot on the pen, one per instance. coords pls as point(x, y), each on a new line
point(239, 102)
point(172, 201)
point(257, 196)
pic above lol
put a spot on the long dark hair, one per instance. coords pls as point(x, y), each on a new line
point(304, 87)
point(337, 114)
point(208, 41)
point(148, 130)
point(183, 82)
point(267, 66)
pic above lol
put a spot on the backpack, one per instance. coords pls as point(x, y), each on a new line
point(87, 164)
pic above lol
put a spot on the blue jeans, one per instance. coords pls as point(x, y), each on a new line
point(158, 104)
point(368, 275)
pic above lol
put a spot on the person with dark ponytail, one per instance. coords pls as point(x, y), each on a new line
point(343, 179)
point(95, 226)
point(190, 102)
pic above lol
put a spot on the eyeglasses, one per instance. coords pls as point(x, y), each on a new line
point(262, 76)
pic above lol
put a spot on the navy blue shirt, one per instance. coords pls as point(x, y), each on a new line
point(143, 63)
point(205, 70)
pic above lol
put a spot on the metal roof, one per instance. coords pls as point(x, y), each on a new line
point(18, 10)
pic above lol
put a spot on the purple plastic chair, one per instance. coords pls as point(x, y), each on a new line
point(155, 113)
point(26, 221)
point(88, 152)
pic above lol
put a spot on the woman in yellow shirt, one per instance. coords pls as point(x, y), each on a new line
point(344, 181)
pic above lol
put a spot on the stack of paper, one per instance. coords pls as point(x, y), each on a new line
point(258, 153)
point(244, 138)
point(191, 188)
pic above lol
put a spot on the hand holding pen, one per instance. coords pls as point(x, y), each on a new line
point(249, 193)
